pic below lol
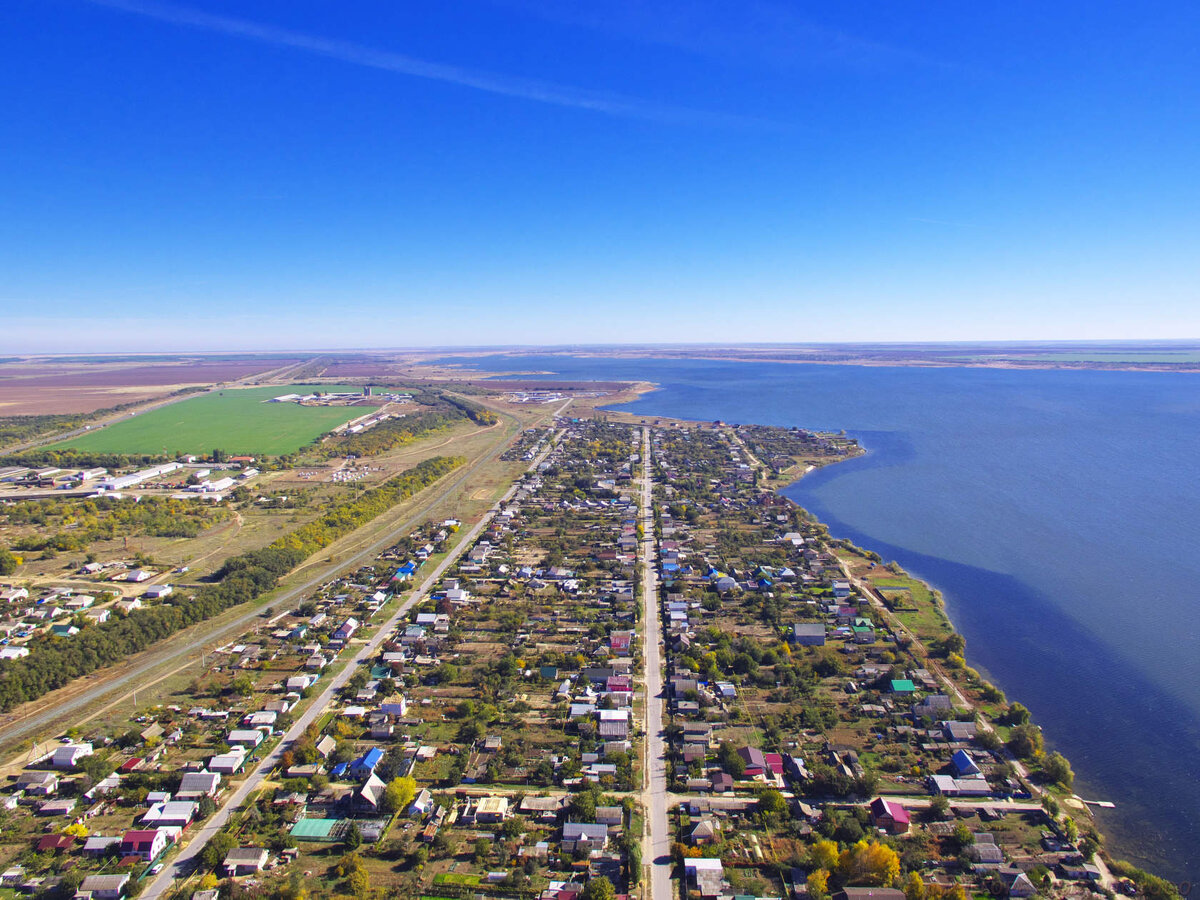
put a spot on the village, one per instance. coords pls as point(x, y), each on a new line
point(465, 715)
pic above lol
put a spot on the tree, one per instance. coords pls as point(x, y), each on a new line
point(953, 643)
point(353, 838)
point(771, 804)
point(1058, 770)
point(1070, 829)
point(731, 761)
point(513, 827)
point(217, 849)
point(1026, 741)
point(399, 794)
point(825, 855)
point(914, 887)
point(872, 863)
point(818, 884)
point(1017, 714)
point(939, 806)
point(8, 563)
point(962, 836)
point(599, 889)
point(483, 849)
point(359, 882)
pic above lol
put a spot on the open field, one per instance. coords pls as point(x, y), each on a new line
point(236, 421)
point(57, 386)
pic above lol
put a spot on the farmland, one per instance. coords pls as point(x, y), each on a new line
point(236, 421)
point(75, 385)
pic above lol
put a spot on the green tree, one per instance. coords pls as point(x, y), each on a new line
point(1016, 714)
point(962, 836)
point(731, 761)
point(218, 848)
point(1026, 741)
point(353, 838)
point(599, 889)
point(1058, 770)
point(8, 562)
point(483, 849)
point(772, 805)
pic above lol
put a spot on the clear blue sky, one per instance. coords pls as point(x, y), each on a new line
point(224, 174)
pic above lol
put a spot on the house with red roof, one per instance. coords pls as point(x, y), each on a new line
point(144, 843)
point(890, 816)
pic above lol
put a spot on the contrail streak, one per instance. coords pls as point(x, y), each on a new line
point(359, 55)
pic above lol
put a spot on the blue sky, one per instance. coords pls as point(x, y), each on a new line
point(227, 175)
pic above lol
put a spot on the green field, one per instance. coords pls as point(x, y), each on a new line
point(236, 421)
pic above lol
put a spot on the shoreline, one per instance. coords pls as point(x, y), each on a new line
point(1073, 805)
point(1185, 368)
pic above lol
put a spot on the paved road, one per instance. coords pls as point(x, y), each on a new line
point(15, 728)
point(182, 863)
point(658, 843)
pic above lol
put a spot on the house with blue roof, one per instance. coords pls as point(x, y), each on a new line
point(963, 764)
point(364, 766)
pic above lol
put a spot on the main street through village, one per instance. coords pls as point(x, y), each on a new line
point(658, 841)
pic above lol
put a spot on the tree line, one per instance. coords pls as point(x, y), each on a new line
point(393, 433)
point(474, 411)
point(104, 518)
point(54, 662)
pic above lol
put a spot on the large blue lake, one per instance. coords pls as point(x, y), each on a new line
point(1058, 511)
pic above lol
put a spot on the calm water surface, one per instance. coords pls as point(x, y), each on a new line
point(1058, 511)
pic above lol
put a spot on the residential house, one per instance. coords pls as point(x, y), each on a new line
point(890, 816)
point(195, 785)
point(177, 813)
point(705, 876)
point(104, 887)
point(808, 634)
point(146, 843)
point(584, 836)
point(364, 766)
point(245, 860)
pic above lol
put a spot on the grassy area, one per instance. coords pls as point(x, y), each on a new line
point(236, 421)
point(913, 604)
